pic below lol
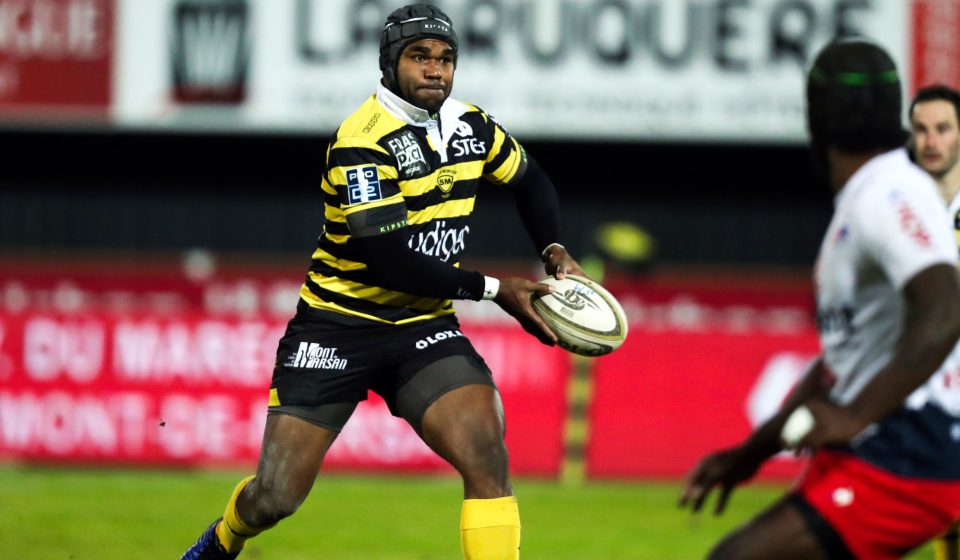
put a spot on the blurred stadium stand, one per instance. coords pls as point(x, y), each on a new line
point(705, 204)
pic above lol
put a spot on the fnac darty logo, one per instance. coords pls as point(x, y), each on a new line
point(210, 51)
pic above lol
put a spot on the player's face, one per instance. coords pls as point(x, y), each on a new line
point(936, 137)
point(425, 73)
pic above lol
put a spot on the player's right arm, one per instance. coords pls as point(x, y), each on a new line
point(396, 266)
point(362, 177)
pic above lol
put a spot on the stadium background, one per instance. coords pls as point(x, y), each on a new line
point(159, 202)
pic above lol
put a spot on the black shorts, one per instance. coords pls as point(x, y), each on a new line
point(326, 365)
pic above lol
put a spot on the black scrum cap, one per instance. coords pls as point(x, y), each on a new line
point(854, 101)
point(406, 25)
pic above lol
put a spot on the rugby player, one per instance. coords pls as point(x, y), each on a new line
point(884, 475)
point(936, 148)
point(400, 180)
point(936, 142)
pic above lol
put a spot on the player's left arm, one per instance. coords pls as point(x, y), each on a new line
point(539, 208)
point(507, 163)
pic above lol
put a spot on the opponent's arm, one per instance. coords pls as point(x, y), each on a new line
point(765, 441)
point(931, 327)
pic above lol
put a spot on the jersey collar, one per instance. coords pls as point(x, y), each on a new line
point(402, 109)
point(869, 169)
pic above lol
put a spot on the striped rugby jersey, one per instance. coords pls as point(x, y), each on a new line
point(392, 165)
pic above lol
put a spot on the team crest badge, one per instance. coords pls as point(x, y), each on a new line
point(445, 181)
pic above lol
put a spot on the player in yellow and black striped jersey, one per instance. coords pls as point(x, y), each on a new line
point(402, 170)
point(401, 178)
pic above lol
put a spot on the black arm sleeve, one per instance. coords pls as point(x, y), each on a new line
point(395, 266)
point(538, 205)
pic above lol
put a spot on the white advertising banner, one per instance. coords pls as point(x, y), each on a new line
point(658, 70)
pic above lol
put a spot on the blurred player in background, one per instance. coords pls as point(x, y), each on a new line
point(936, 143)
point(375, 313)
point(934, 117)
point(884, 476)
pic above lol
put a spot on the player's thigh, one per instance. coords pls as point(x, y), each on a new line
point(291, 454)
point(323, 370)
point(454, 393)
point(783, 531)
point(465, 427)
point(426, 361)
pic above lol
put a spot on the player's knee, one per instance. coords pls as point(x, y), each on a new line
point(485, 445)
point(273, 502)
point(484, 465)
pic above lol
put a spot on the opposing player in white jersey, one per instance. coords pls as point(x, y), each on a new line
point(935, 123)
point(884, 476)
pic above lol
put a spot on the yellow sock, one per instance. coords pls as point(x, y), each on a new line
point(946, 547)
point(233, 531)
point(490, 529)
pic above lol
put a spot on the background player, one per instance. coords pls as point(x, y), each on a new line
point(885, 472)
point(936, 142)
point(401, 177)
point(936, 145)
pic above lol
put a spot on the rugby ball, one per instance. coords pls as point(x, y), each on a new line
point(585, 317)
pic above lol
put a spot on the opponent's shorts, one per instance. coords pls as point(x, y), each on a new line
point(876, 514)
point(325, 367)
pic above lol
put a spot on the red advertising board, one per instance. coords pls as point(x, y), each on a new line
point(96, 387)
point(690, 395)
point(936, 43)
point(55, 56)
point(162, 369)
point(707, 359)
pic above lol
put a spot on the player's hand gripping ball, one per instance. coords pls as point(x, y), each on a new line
point(585, 317)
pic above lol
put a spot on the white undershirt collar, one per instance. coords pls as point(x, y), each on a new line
point(403, 109)
point(449, 114)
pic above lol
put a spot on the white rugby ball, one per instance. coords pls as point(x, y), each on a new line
point(585, 317)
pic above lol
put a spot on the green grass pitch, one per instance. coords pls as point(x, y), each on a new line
point(87, 514)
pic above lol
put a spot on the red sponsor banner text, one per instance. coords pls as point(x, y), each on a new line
point(55, 56)
point(189, 388)
point(149, 366)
